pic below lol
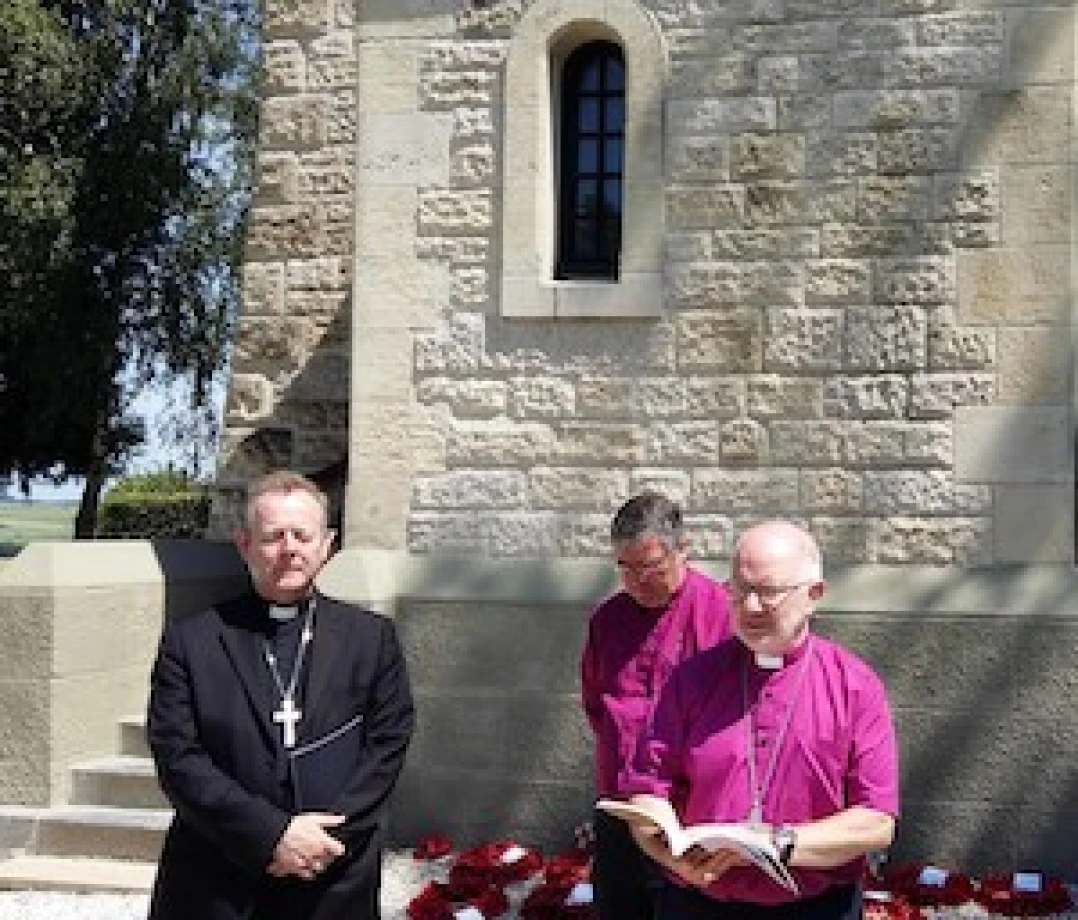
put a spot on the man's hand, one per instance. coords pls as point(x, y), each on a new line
point(702, 867)
point(305, 847)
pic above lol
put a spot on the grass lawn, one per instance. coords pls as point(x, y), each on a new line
point(25, 522)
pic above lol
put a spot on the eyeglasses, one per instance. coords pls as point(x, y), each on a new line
point(644, 569)
point(767, 595)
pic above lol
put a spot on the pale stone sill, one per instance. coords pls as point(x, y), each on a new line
point(635, 295)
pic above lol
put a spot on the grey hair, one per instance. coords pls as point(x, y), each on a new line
point(282, 482)
point(649, 514)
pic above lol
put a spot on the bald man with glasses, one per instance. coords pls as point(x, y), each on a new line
point(665, 612)
point(778, 729)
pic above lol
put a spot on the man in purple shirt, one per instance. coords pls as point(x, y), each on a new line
point(665, 613)
point(776, 728)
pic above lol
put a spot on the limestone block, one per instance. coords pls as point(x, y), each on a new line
point(454, 211)
point(691, 246)
point(851, 240)
point(775, 396)
point(842, 541)
point(299, 122)
point(838, 280)
point(457, 250)
point(462, 489)
point(499, 444)
point(832, 491)
point(607, 397)
point(495, 20)
point(764, 282)
point(713, 397)
point(936, 395)
point(808, 443)
point(768, 156)
point(1029, 125)
point(849, 153)
point(923, 492)
point(886, 198)
point(673, 483)
point(520, 534)
point(893, 108)
point(1013, 444)
point(600, 443)
point(390, 65)
point(967, 196)
point(282, 343)
point(472, 164)
point(470, 285)
point(710, 536)
point(969, 27)
point(828, 73)
point(816, 32)
point(743, 442)
point(25, 621)
point(465, 398)
point(934, 541)
point(250, 399)
point(386, 225)
point(730, 74)
point(928, 280)
point(802, 341)
point(583, 535)
point(263, 288)
point(683, 443)
point(869, 396)
point(689, 207)
point(299, 231)
point(883, 444)
point(917, 150)
point(804, 112)
point(332, 63)
point(470, 123)
point(661, 397)
point(960, 347)
point(761, 243)
point(382, 19)
point(404, 148)
point(599, 348)
point(730, 341)
point(1041, 45)
point(1036, 206)
point(330, 172)
point(1034, 523)
point(332, 273)
point(968, 234)
point(886, 338)
point(445, 90)
point(25, 742)
point(559, 488)
point(777, 73)
point(1020, 285)
point(880, 32)
point(295, 17)
point(744, 491)
point(699, 159)
point(430, 531)
point(978, 67)
point(541, 398)
point(720, 116)
point(245, 453)
point(456, 349)
point(1034, 365)
point(801, 203)
point(284, 66)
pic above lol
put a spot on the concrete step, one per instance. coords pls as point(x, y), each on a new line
point(117, 782)
point(133, 736)
point(106, 833)
point(53, 873)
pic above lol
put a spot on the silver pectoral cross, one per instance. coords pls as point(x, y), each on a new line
point(288, 716)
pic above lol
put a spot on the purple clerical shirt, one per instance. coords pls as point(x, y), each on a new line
point(629, 655)
point(837, 751)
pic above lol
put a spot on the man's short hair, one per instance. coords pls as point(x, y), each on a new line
point(283, 482)
point(649, 514)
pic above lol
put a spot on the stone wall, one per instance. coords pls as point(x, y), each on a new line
point(866, 225)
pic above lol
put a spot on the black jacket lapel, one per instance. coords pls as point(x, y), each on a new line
point(245, 648)
point(326, 650)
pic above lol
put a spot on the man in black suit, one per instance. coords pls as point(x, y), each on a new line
point(278, 723)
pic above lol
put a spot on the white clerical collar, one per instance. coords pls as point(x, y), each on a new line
point(283, 613)
point(768, 662)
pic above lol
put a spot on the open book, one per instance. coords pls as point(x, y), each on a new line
point(754, 844)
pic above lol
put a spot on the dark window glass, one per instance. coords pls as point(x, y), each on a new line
point(592, 162)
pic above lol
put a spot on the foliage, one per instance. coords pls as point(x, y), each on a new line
point(126, 141)
point(163, 504)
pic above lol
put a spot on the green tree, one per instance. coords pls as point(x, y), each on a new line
point(126, 143)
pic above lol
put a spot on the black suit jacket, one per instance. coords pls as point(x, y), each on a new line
point(220, 761)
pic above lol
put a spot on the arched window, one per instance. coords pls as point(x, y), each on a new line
point(591, 164)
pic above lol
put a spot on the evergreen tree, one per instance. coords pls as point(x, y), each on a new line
point(126, 143)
